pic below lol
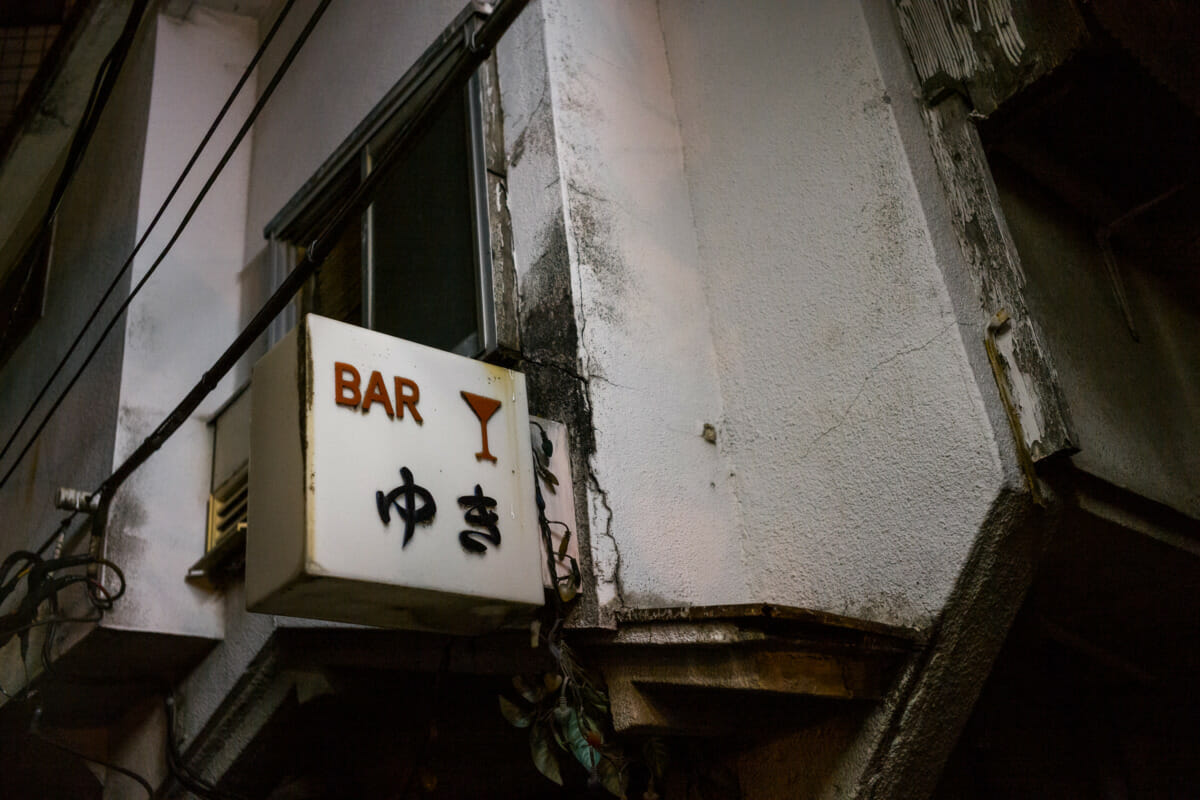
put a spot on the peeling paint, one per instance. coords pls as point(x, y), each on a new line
point(995, 267)
point(986, 50)
point(944, 34)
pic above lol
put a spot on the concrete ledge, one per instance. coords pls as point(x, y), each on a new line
point(706, 670)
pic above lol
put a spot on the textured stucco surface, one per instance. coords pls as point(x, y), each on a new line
point(663, 519)
point(751, 252)
point(178, 325)
point(865, 461)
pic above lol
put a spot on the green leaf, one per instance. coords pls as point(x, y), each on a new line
point(558, 737)
point(548, 478)
point(543, 755)
point(655, 753)
point(547, 447)
point(532, 693)
point(516, 716)
point(610, 778)
point(562, 546)
point(567, 591)
point(584, 753)
point(597, 699)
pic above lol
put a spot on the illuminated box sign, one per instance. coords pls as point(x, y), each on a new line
point(390, 484)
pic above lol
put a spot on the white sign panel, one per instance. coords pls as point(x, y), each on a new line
point(390, 484)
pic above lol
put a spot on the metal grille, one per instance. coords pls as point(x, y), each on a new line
point(22, 48)
point(227, 508)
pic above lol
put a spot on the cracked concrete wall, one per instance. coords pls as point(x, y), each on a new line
point(865, 458)
point(746, 247)
point(183, 319)
point(599, 200)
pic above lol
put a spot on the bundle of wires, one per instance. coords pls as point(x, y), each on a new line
point(45, 579)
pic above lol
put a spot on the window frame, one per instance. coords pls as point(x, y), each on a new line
point(295, 224)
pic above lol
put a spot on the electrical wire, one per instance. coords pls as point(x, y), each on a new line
point(432, 79)
point(60, 530)
point(35, 730)
point(181, 772)
point(43, 584)
point(102, 87)
point(266, 94)
point(440, 79)
point(62, 362)
point(479, 42)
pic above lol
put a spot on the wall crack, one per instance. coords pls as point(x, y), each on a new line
point(871, 373)
point(615, 578)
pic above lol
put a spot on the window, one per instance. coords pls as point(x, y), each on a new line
point(419, 264)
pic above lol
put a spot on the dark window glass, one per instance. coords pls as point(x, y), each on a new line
point(422, 247)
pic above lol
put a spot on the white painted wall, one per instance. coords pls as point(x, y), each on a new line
point(748, 248)
point(663, 518)
point(357, 52)
point(864, 458)
point(183, 319)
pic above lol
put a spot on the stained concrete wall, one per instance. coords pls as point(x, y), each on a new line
point(355, 55)
point(183, 319)
point(865, 461)
point(747, 248)
point(95, 232)
point(607, 165)
point(33, 157)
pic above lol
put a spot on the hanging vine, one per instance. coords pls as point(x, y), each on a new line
point(567, 711)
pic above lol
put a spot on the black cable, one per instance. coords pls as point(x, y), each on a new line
point(55, 621)
point(153, 223)
point(480, 42)
point(458, 73)
point(187, 217)
point(181, 772)
point(102, 87)
point(42, 585)
point(62, 527)
point(34, 730)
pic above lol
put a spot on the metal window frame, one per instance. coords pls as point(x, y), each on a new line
point(297, 221)
point(483, 341)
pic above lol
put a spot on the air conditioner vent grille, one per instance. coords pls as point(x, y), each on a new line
point(227, 508)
